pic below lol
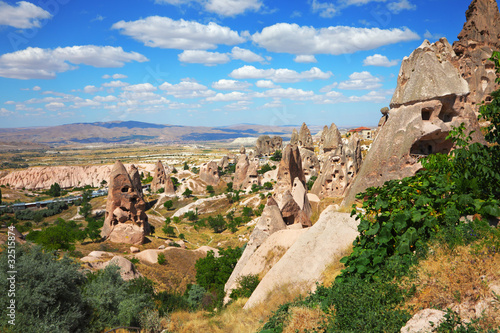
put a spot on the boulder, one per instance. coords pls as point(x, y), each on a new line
point(134, 249)
point(305, 261)
point(209, 173)
point(266, 145)
point(421, 321)
point(127, 268)
point(305, 138)
point(126, 220)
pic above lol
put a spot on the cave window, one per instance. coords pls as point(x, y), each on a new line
point(429, 149)
point(426, 114)
point(125, 189)
point(447, 118)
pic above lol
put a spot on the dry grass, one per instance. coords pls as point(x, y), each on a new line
point(333, 269)
point(304, 319)
point(272, 257)
point(461, 281)
point(233, 318)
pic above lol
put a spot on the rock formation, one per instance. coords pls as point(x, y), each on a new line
point(162, 180)
point(330, 139)
point(430, 98)
point(240, 173)
point(305, 261)
point(310, 163)
point(266, 145)
point(209, 173)
point(243, 151)
point(290, 167)
point(269, 223)
point(136, 179)
point(40, 178)
point(477, 41)
point(294, 140)
point(339, 169)
point(223, 163)
point(126, 220)
point(305, 138)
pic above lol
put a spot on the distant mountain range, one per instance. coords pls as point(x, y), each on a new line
point(128, 132)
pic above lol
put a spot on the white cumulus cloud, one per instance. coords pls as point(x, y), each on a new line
point(220, 7)
point(379, 60)
point(23, 16)
point(141, 87)
point(115, 76)
point(163, 32)
point(305, 59)
point(186, 89)
point(294, 39)
point(398, 6)
point(115, 84)
point(279, 75)
point(90, 89)
point(230, 85)
point(245, 55)
point(325, 9)
point(229, 97)
point(203, 57)
point(361, 81)
point(267, 84)
point(38, 63)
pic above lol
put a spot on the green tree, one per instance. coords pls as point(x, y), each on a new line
point(61, 236)
point(55, 190)
point(277, 155)
point(210, 190)
point(212, 273)
point(217, 223)
point(85, 206)
point(247, 285)
point(48, 294)
point(185, 166)
point(93, 229)
point(168, 204)
point(187, 193)
point(161, 259)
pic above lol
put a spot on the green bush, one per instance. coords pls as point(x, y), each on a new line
point(247, 285)
point(217, 223)
point(265, 168)
point(277, 155)
point(60, 236)
point(168, 204)
point(161, 259)
point(47, 294)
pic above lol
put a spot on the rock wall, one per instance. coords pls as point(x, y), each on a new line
point(266, 145)
point(209, 173)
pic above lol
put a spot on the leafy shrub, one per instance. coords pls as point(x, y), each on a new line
point(168, 204)
point(161, 259)
point(277, 155)
point(48, 297)
point(150, 321)
point(217, 223)
point(311, 181)
point(187, 193)
point(265, 168)
point(195, 296)
point(210, 190)
point(247, 285)
point(212, 273)
point(168, 302)
point(60, 236)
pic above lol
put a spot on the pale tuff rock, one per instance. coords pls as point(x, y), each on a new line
point(243, 150)
point(476, 42)
point(266, 145)
point(290, 167)
point(424, 113)
point(330, 139)
point(305, 138)
point(38, 178)
point(136, 179)
point(308, 257)
point(209, 173)
point(339, 169)
point(223, 163)
point(269, 223)
point(96, 260)
point(421, 321)
point(428, 73)
point(294, 140)
point(162, 180)
point(310, 163)
point(240, 173)
point(126, 220)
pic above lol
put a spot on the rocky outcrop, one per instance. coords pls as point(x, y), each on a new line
point(426, 320)
point(294, 140)
point(241, 170)
point(431, 98)
point(39, 178)
point(339, 169)
point(476, 42)
point(305, 138)
point(136, 179)
point(305, 261)
point(223, 163)
point(209, 173)
point(126, 220)
point(269, 223)
point(266, 145)
point(162, 180)
point(310, 163)
point(330, 139)
point(290, 167)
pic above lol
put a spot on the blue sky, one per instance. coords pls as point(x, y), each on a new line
point(210, 62)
